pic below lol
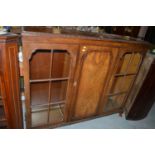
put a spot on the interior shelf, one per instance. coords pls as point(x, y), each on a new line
point(49, 80)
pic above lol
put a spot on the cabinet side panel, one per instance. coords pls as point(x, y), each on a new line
point(11, 75)
point(92, 80)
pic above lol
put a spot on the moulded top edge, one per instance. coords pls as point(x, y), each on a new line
point(8, 36)
point(91, 36)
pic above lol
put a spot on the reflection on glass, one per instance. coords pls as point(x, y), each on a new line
point(114, 102)
point(122, 84)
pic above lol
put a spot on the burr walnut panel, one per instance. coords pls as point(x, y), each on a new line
point(94, 69)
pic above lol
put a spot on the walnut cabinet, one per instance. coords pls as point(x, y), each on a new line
point(10, 105)
point(72, 77)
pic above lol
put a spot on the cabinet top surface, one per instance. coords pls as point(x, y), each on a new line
point(63, 33)
point(7, 37)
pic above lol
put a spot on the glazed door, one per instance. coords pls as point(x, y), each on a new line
point(128, 65)
point(142, 97)
point(49, 83)
point(94, 66)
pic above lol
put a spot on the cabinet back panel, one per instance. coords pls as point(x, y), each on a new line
point(61, 64)
point(39, 93)
point(40, 65)
point(58, 91)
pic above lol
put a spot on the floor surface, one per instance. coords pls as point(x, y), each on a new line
point(116, 122)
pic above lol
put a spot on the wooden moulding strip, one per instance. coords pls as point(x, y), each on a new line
point(119, 93)
point(51, 104)
point(50, 87)
point(49, 80)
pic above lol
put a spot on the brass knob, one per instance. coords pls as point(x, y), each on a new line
point(84, 48)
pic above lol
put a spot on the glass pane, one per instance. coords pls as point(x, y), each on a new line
point(122, 84)
point(125, 63)
point(61, 64)
point(40, 64)
point(130, 64)
point(42, 61)
point(114, 102)
point(56, 114)
point(134, 63)
point(58, 91)
point(39, 118)
point(39, 93)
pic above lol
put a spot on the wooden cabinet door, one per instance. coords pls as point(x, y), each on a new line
point(49, 71)
point(122, 80)
point(94, 66)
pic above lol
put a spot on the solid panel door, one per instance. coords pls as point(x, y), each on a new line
point(93, 66)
